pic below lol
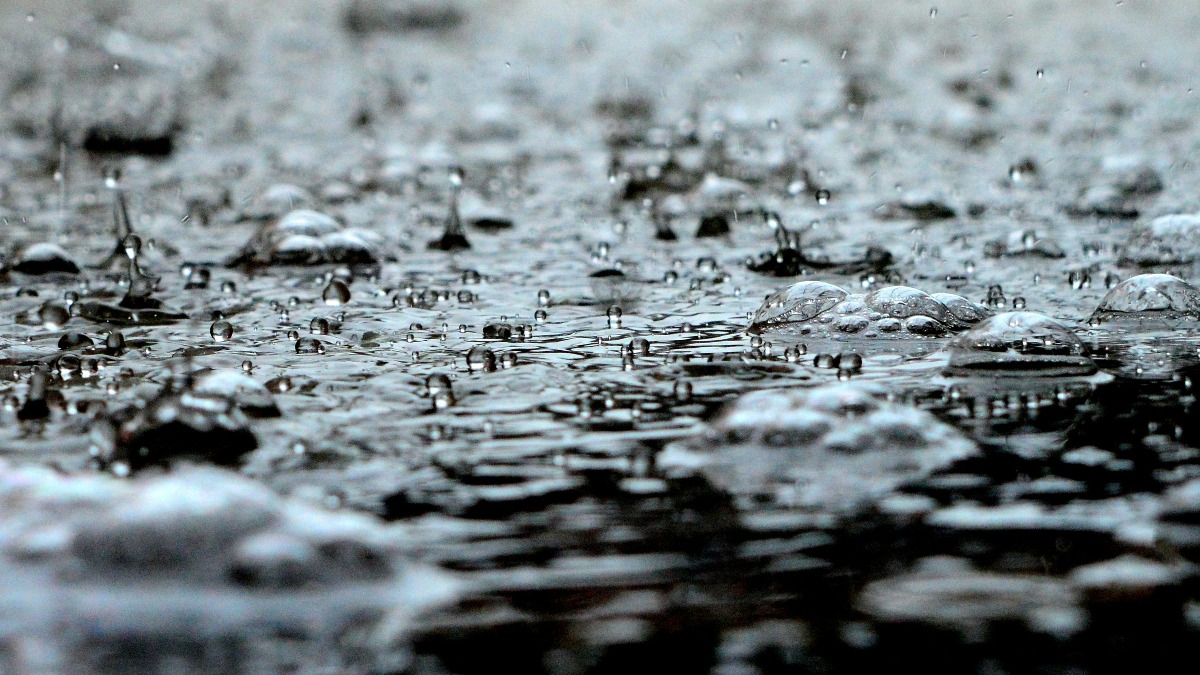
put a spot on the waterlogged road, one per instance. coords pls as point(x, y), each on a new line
point(385, 336)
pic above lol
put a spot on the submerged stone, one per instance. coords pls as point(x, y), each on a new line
point(836, 448)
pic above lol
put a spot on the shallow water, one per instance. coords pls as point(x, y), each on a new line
point(525, 448)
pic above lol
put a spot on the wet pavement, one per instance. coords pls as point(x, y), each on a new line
point(415, 336)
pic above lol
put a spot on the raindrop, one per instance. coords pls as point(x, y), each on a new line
point(614, 316)
point(221, 331)
point(308, 345)
point(336, 293)
point(639, 346)
point(53, 317)
point(480, 359)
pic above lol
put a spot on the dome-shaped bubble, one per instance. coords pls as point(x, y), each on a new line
point(893, 311)
point(1024, 243)
point(963, 309)
point(252, 397)
point(1151, 295)
point(1019, 344)
point(901, 302)
point(307, 237)
point(278, 199)
point(834, 448)
point(801, 301)
point(1168, 240)
point(45, 258)
point(204, 547)
point(298, 249)
point(948, 593)
point(307, 221)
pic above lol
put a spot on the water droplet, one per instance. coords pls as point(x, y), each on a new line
point(480, 359)
point(614, 316)
point(1151, 295)
point(221, 331)
point(336, 293)
point(639, 346)
point(309, 345)
point(53, 317)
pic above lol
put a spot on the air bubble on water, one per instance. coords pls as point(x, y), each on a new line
point(995, 297)
point(1151, 295)
point(480, 359)
point(799, 302)
point(336, 293)
point(35, 406)
point(840, 446)
point(53, 316)
point(221, 331)
point(614, 316)
point(540, 316)
point(198, 279)
point(639, 346)
point(319, 326)
point(1019, 344)
point(822, 197)
point(309, 345)
point(682, 391)
point(850, 361)
point(612, 284)
point(824, 360)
